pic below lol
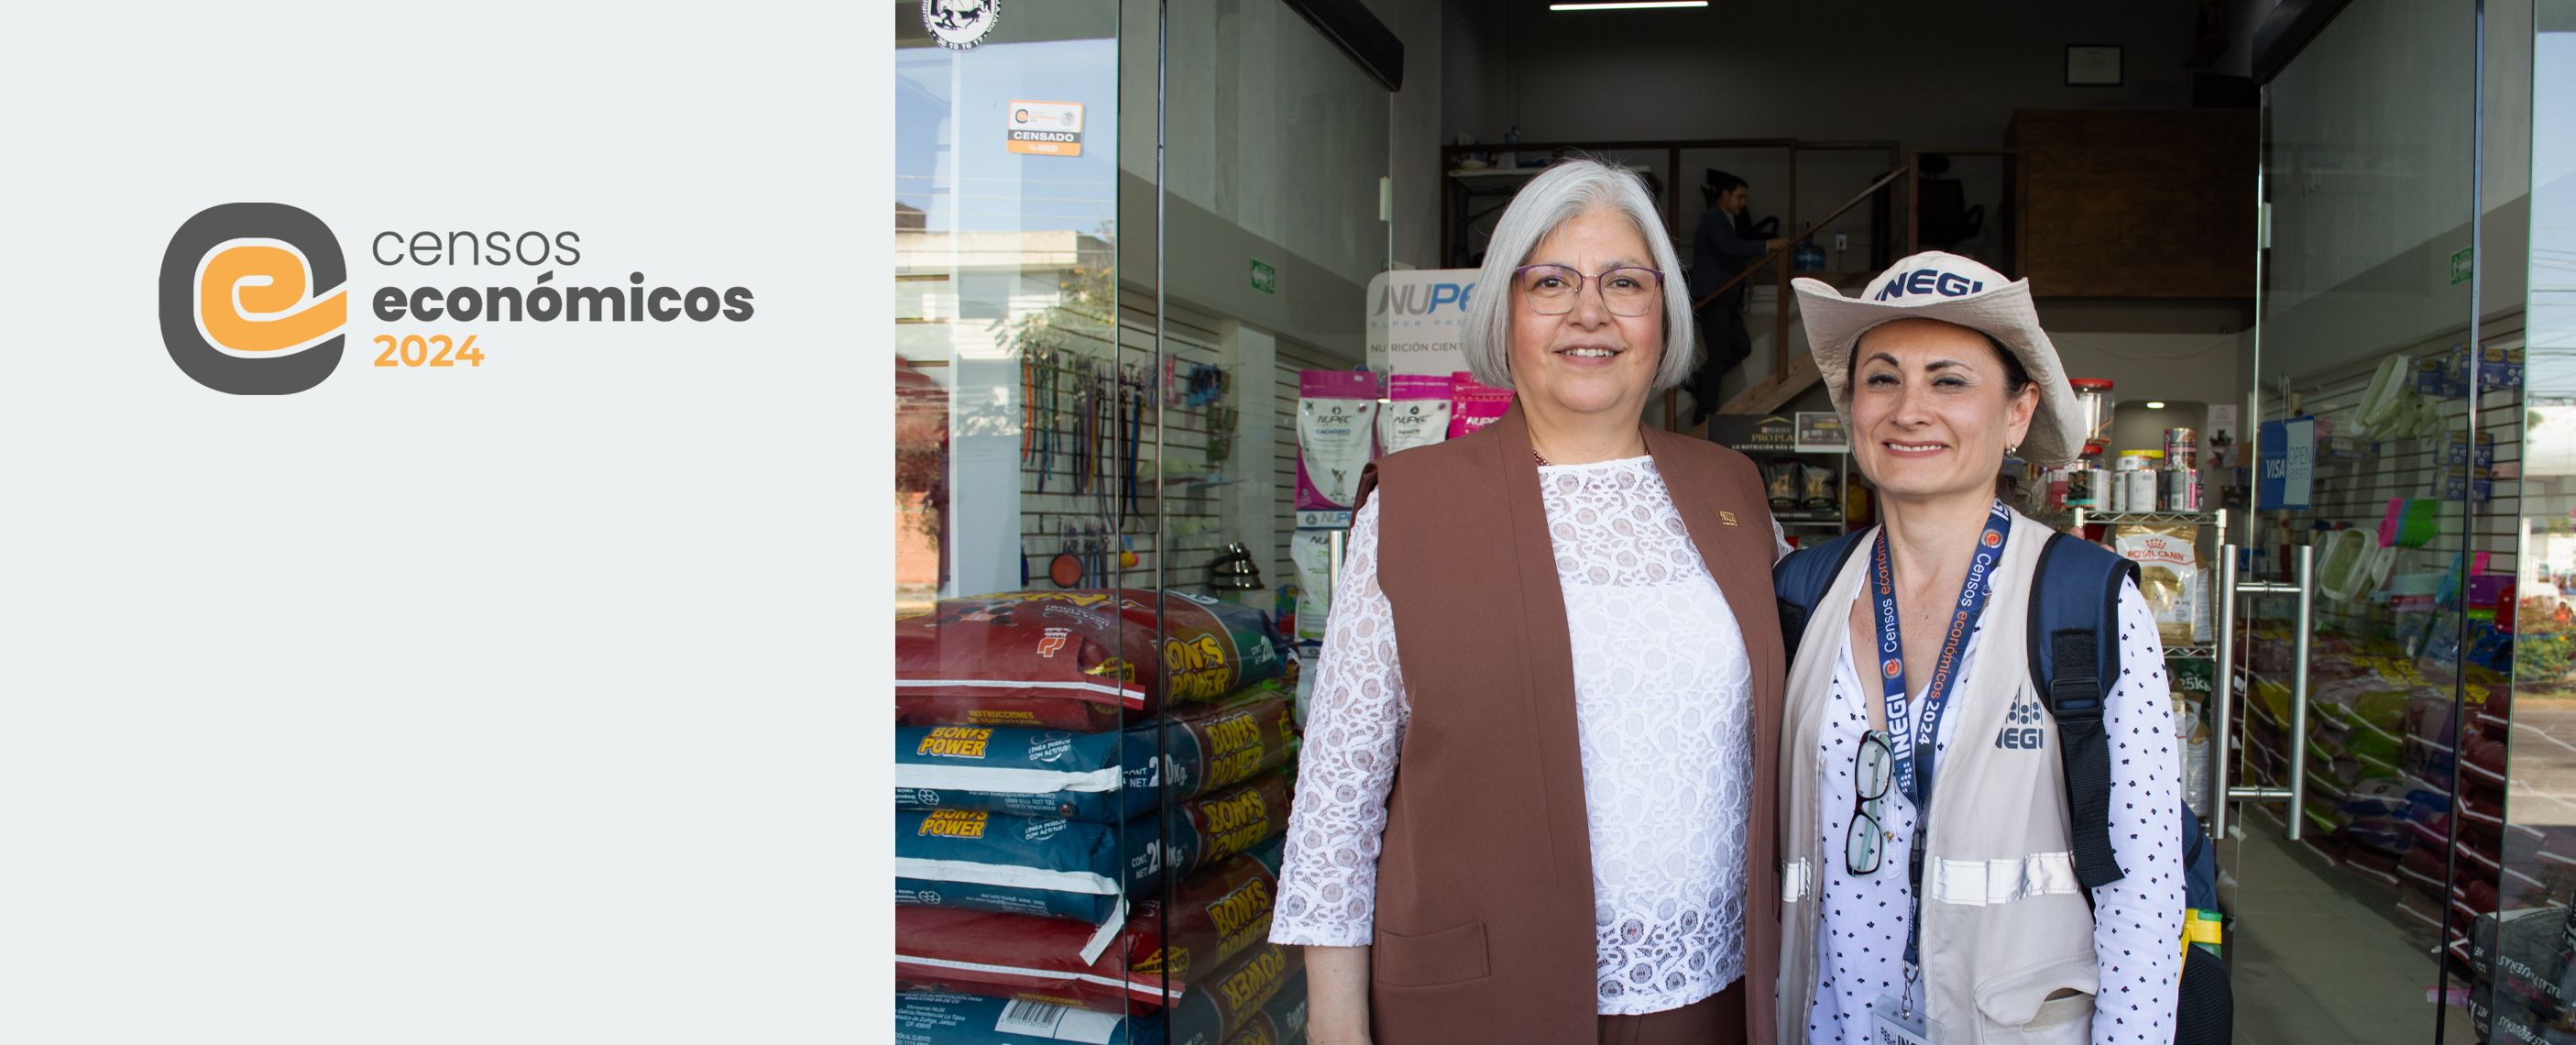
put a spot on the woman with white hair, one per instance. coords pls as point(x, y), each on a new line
point(1536, 795)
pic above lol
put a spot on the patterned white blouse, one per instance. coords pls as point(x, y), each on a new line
point(2137, 921)
point(1663, 704)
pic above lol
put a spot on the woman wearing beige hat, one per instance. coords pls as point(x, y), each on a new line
point(1971, 922)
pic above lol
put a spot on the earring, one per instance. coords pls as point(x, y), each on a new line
point(2012, 449)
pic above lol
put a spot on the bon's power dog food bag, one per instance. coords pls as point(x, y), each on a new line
point(1231, 996)
point(1215, 915)
point(1056, 868)
point(1071, 660)
point(1042, 866)
point(1219, 745)
point(966, 1019)
point(1027, 772)
point(1098, 778)
point(1047, 960)
point(1282, 1022)
point(1233, 820)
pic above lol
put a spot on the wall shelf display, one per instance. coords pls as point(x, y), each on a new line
point(1785, 440)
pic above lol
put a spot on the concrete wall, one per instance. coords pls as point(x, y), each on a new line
point(1930, 74)
point(1275, 142)
point(2370, 160)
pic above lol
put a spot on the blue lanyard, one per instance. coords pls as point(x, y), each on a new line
point(1906, 735)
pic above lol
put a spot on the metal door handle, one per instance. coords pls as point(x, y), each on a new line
point(2224, 692)
point(2299, 692)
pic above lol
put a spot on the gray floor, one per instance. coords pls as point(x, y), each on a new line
point(2322, 956)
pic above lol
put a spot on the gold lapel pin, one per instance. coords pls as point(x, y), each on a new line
point(1726, 517)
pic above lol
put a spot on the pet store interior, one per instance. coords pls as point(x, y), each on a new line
point(1168, 274)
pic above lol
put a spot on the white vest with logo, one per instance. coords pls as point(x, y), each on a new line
point(2004, 923)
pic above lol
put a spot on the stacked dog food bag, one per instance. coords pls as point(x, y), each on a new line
point(1091, 794)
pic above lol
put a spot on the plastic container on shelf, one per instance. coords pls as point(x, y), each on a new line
point(2085, 487)
point(2143, 484)
point(2181, 490)
point(2343, 563)
point(2093, 394)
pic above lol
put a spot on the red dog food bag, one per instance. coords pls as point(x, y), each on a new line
point(1075, 659)
point(1023, 957)
point(1216, 915)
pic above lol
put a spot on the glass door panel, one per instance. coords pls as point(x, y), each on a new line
point(1244, 272)
point(2347, 906)
point(2527, 745)
point(1021, 639)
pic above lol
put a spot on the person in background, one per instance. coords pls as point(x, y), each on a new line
point(1562, 628)
point(1723, 247)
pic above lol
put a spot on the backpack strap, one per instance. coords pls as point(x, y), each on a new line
point(1801, 579)
point(2074, 659)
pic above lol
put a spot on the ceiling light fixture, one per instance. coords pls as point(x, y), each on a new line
point(1627, 5)
point(2155, 406)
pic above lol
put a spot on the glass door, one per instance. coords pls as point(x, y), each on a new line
point(1125, 236)
point(1265, 216)
point(2349, 834)
point(2526, 742)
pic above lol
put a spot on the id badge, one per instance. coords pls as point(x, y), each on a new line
point(1888, 1027)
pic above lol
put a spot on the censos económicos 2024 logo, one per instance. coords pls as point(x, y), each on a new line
point(254, 298)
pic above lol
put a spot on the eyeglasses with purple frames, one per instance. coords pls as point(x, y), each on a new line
point(1552, 290)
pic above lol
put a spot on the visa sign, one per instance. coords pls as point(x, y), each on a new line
point(1414, 316)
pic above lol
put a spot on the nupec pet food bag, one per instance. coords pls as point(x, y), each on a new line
point(1336, 430)
point(1416, 412)
point(1473, 404)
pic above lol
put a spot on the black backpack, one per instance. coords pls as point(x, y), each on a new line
point(2074, 614)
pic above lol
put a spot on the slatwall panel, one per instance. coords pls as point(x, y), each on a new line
point(1192, 339)
point(2357, 490)
point(1106, 518)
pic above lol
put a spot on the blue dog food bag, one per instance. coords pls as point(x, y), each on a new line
point(965, 1019)
point(1024, 772)
point(1047, 866)
point(1094, 777)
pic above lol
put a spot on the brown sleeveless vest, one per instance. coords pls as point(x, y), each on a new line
point(1484, 895)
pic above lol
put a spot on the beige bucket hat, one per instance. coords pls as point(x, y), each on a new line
point(1947, 287)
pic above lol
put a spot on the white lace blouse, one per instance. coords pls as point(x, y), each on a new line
point(1663, 704)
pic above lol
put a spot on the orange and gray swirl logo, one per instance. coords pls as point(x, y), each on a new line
point(253, 299)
